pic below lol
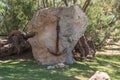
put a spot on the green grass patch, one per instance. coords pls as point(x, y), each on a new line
point(29, 69)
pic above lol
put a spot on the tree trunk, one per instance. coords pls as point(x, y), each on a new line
point(85, 47)
point(16, 43)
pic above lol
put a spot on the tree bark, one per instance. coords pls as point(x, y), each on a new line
point(66, 2)
point(85, 47)
point(86, 4)
point(16, 43)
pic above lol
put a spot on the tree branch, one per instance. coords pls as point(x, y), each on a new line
point(86, 4)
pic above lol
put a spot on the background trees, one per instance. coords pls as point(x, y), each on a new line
point(15, 14)
point(104, 20)
point(103, 16)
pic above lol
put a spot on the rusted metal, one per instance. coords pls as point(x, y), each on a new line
point(57, 53)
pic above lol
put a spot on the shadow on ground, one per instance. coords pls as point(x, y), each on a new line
point(29, 69)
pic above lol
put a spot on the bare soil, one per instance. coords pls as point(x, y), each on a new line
point(113, 48)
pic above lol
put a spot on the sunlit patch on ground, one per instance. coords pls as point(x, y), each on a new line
point(21, 69)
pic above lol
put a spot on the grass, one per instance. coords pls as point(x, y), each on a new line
point(29, 69)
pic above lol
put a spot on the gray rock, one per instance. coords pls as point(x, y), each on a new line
point(50, 67)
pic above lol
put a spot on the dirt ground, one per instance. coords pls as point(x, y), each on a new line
point(111, 49)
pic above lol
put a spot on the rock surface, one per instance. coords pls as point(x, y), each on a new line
point(100, 76)
point(72, 22)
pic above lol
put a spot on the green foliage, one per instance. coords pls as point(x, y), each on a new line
point(29, 70)
point(16, 14)
point(103, 20)
point(104, 16)
point(2, 5)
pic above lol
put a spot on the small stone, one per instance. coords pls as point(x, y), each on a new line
point(50, 67)
point(100, 76)
point(61, 65)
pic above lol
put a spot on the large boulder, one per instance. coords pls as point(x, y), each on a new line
point(72, 22)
